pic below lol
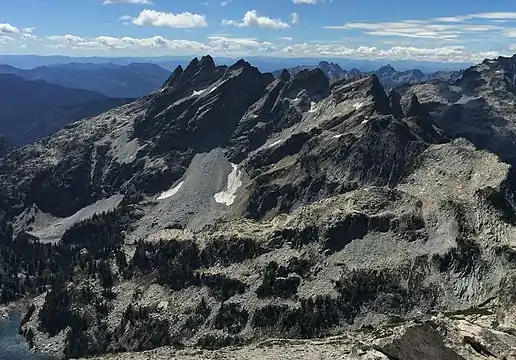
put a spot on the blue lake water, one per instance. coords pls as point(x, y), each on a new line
point(13, 345)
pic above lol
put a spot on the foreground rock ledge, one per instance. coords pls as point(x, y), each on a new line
point(444, 337)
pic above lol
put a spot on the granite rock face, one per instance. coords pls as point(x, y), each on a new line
point(250, 207)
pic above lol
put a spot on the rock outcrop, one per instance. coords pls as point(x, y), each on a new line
point(244, 207)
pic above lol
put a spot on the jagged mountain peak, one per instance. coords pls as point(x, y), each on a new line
point(313, 81)
point(207, 61)
point(285, 75)
point(414, 108)
point(386, 69)
point(174, 76)
point(236, 196)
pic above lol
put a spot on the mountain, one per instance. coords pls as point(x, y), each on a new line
point(264, 63)
point(128, 81)
point(331, 70)
point(388, 76)
point(232, 207)
point(391, 78)
point(30, 110)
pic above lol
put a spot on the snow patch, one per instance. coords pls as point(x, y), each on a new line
point(296, 99)
point(456, 89)
point(53, 232)
point(313, 107)
point(365, 121)
point(274, 143)
point(338, 136)
point(358, 105)
point(170, 192)
point(465, 99)
point(228, 196)
point(254, 116)
point(213, 89)
point(198, 92)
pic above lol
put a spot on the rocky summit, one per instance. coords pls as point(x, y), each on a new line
point(234, 214)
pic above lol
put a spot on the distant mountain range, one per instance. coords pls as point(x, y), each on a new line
point(117, 81)
point(264, 63)
point(30, 110)
point(388, 76)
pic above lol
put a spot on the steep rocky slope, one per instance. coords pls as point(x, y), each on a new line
point(230, 207)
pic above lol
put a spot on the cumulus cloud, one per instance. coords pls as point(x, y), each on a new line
point(167, 19)
point(136, 2)
point(15, 33)
point(124, 43)
point(295, 18)
point(221, 45)
point(252, 19)
point(8, 29)
point(4, 39)
point(438, 54)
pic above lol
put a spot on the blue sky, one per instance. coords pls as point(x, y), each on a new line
point(437, 30)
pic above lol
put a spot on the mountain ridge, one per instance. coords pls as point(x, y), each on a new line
point(388, 75)
point(231, 206)
point(127, 81)
point(31, 110)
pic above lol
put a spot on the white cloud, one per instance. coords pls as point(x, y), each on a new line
point(220, 45)
point(438, 54)
point(510, 33)
point(136, 2)
point(304, 1)
point(28, 30)
point(15, 33)
point(8, 29)
point(4, 39)
point(443, 28)
point(295, 18)
point(119, 43)
point(225, 3)
point(251, 19)
point(494, 15)
point(164, 19)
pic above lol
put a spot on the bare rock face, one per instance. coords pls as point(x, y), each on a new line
point(251, 208)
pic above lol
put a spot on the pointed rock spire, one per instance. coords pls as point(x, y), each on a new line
point(285, 75)
point(207, 62)
point(415, 109)
point(173, 78)
point(315, 82)
point(395, 103)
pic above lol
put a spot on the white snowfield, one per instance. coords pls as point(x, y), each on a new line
point(228, 196)
point(198, 92)
point(313, 107)
point(358, 105)
point(170, 192)
point(465, 99)
point(275, 143)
